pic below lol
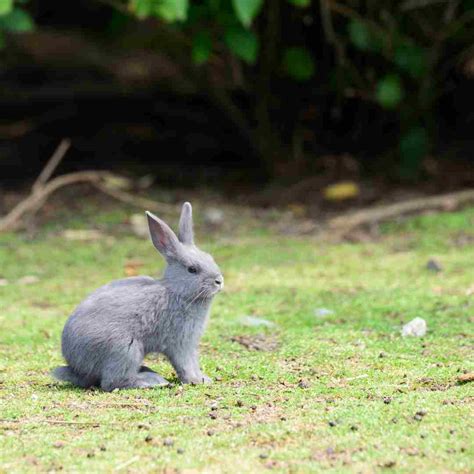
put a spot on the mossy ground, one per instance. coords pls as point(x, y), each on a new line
point(334, 393)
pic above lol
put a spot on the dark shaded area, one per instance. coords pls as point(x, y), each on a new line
point(139, 114)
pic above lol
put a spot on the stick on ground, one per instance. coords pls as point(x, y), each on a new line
point(347, 222)
point(44, 187)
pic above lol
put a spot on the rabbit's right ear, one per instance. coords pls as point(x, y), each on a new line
point(163, 238)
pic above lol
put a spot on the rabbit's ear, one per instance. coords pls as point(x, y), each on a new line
point(186, 234)
point(163, 238)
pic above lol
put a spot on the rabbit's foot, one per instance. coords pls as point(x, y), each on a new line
point(153, 378)
point(197, 379)
point(141, 380)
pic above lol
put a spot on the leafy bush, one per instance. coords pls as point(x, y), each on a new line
point(283, 54)
point(13, 18)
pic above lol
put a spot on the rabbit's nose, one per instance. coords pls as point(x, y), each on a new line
point(219, 281)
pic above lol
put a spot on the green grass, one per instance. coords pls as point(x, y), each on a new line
point(357, 371)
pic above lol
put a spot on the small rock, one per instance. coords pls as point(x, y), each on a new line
point(419, 415)
point(59, 444)
point(143, 426)
point(323, 312)
point(103, 448)
point(303, 384)
point(90, 454)
point(255, 322)
point(332, 423)
point(149, 438)
point(415, 328)
point(214, 216)
point(180, 451)
point(211, 432)
point(28, 280)
point(168, 442)
point(387, 400)
point(433, 266)
point(263, 456)
point(213, 415)
point(354, 428)
point(214, 406)
point(382, 355)
point(389, 464)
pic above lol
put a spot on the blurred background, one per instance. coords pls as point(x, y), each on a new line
point(319, 103)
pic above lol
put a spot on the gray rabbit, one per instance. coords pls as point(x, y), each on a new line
point(106, 338)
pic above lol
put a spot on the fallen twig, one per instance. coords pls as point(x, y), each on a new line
point(126, 463)
point(43, 188)
point(345, 223)
point(52, 164)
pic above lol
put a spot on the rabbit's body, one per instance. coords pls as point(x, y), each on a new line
point(106, 338)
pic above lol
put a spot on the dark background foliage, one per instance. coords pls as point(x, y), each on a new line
point(245, 91)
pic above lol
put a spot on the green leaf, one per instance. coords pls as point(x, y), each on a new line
point(359, 35)
point(243, 43)
point(412, 59)
point(247, 10)
point(142, 8)
point(2, 41)
point(300, 3)
point(413, 148)
point(172, 10)
point(6, 6)
point(17, 21)
point(202, 48)
point(298, 64)
point(389, 91)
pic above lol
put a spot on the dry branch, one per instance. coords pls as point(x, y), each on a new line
point(345, 223)
point(43, 188)
point(52, 164)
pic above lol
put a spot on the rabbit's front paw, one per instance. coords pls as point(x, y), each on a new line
point(197, 379)
point(205, 379)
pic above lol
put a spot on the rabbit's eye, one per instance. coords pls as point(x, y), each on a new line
point(192, 269)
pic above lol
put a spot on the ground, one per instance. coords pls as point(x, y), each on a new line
point(331, 387)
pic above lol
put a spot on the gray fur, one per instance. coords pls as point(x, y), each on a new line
point(106, 338)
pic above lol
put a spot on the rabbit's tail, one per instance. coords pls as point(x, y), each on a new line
point(66, 374)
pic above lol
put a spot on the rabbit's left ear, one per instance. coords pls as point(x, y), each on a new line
point(163, 238)
point(186, 234)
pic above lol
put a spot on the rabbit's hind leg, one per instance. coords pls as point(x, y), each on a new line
point(123, 370)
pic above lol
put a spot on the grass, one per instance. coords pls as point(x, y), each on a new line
point(332, 393)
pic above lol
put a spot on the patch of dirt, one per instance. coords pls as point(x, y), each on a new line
point(463, 239)
point(257, 342)
point(333, 455)
point(429, 383)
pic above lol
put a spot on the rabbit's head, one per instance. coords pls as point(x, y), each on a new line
point(191, 273)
